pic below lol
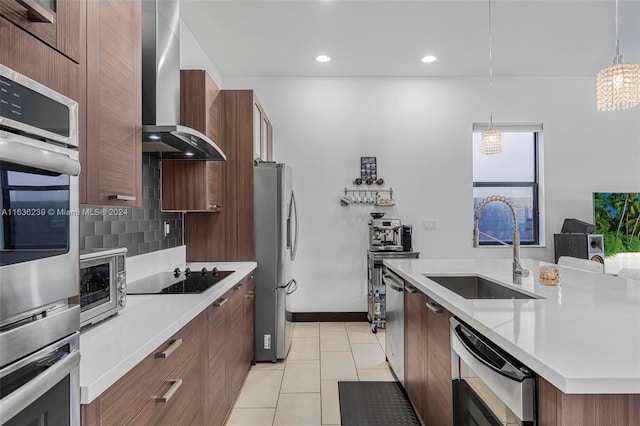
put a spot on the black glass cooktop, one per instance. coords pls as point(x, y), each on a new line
point(177, 283)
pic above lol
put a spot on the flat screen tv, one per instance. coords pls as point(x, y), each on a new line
point(617, 218)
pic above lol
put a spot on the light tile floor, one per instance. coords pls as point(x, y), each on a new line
point(303, 390)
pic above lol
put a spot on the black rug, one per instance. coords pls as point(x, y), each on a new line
point(375, 404)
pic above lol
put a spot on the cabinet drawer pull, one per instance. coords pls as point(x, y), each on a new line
point(238, 287)
point(409, 289)
point(250, 294)
point(172, 347)
point(37, 12)
point(121, 197)
point(434, 307)
point(173, 389)
point(220, 303)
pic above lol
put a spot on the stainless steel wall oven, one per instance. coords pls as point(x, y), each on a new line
point(39, 170)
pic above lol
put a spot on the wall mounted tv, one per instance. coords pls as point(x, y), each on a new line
point(617, 217)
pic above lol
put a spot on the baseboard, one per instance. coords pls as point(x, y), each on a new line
point(329, 316)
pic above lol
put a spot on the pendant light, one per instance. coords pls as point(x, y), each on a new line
point(618, 85)
point(491, 138)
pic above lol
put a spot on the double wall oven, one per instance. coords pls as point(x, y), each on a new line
point(39, 167)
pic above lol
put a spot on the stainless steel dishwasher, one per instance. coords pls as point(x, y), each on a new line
point(490, 387)
point(394, 336)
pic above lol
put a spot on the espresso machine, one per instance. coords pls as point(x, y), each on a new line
point(385, 234)
point(388, 239)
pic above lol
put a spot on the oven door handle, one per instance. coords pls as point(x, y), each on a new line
point(38, 158)
point(21, 398)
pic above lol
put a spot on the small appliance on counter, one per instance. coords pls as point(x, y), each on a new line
point(385, 234)
point(388, 239)
point(407, 231)
point(103, 284)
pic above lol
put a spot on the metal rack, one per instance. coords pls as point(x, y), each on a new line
point(370, 196)
point(375, 271)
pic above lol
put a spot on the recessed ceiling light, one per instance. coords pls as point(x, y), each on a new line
point(188, 154)
point(323, 58)
point(429, 58)
point(154, 137)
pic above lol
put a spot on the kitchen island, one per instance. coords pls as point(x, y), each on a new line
point(582, 337)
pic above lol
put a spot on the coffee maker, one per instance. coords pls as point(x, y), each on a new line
point(385, 234)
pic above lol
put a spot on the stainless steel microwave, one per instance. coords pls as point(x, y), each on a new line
point(103, 284)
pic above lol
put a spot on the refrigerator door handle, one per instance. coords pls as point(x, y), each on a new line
point(295, 212)
point(293, 286)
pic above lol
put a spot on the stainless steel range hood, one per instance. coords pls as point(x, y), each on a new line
point(161, 88)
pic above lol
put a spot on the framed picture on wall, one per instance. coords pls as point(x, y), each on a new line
point(368, 168)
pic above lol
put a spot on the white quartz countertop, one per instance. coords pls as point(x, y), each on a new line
point(583, 336)
point(113, 347)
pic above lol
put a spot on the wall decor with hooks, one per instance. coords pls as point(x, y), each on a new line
point(378, 197)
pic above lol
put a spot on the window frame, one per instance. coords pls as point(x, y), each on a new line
point(534, 185)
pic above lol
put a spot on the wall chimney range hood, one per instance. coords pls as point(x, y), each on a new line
point(161, 88)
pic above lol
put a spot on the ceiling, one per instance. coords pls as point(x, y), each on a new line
point(388, 38)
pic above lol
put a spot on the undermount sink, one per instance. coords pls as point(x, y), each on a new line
point(475, 287)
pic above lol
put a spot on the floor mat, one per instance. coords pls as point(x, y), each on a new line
point(375, 404)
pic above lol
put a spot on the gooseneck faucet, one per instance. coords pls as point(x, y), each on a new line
point(518, 270)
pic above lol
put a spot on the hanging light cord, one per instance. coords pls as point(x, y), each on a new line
point(491, 74)
point(617, 39)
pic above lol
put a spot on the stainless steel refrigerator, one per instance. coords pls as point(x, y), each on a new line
point(276, 230)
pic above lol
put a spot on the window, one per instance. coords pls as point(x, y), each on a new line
point(514, 174)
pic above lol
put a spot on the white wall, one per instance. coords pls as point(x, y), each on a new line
point(192, 56)
point(420, 132)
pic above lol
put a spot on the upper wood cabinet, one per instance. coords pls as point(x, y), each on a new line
point(229, 236)
point(191, 185)
point(196, 185)
point(33, 58)
point(201, 107)
point(112, 169)
point(57, 23)
point(262, 133)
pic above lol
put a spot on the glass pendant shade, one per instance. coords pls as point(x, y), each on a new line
point(618, 86)
point(491, 142)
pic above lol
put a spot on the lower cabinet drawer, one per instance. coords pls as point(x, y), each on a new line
point(177, 400)
point(127, 395)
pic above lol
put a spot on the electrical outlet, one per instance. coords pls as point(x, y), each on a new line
point(429, 224)
point(267, 341)
point(167, 228)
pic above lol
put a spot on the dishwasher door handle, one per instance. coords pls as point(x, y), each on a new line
point(395, 287)
point(392, 279)
point(486, 355)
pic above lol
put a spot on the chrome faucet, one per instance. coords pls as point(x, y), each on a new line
point(518, 270)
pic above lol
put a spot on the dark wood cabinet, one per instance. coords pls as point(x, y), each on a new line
point(217, 398)
point(249, 309)
point(191, 185)
point(33, 58)
point(201, 107)
point(414, 340)
point(428, 358)
point(56, 23)
point(437, 397)
point(113, 157)
point(233, 230)
point(234, 346)
point(137, 397)
point(196, 185)
point(556, 408)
